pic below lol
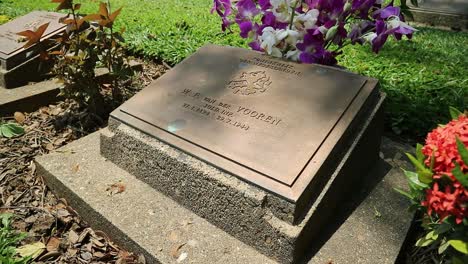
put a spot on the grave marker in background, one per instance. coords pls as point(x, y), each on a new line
point(447, 13)
point(18, 66)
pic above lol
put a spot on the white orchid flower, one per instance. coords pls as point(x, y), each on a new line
point(395, 22)
point(308, 19)
point(292, 37)
point(293, 55)
point(369, 37)
point(282, 9)
point(270, 38)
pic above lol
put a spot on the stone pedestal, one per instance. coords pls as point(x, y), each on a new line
point(369, 227)
point(265, 150)
point(443, 13)
point(225, 135)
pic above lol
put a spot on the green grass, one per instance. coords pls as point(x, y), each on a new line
point(422, 77)
point(9, 239)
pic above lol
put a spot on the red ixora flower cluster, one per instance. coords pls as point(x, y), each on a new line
point(451, 199)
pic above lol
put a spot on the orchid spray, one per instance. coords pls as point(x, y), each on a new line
point(313, 31)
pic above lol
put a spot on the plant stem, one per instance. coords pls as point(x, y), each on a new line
point(111, 38)
point(114, 86)
point(294, 13)
point(76, 36)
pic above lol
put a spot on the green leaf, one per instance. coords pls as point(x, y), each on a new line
point(419, 154)
point(424, 242)
point(413, 177)
point(409, 196)
point(454, 113)
point(443, 247)
point(6, 220)
point(459, 245)
point(432, 235)
point(10, 130)
point(424, 174)
point(462, 150)
point(457, 260)
point(416, 163)
point(442, 228)
point(460, 176)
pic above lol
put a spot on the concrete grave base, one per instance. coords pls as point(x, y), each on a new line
point(370, 226)
point(29, 97)
point(243, 210)
point(32, 70)
point(440, 19)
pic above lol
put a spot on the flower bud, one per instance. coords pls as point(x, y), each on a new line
point(347, 6)
point(331, 32)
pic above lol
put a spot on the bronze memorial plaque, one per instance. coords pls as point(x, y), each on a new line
point(262, 119)
point(10, 43)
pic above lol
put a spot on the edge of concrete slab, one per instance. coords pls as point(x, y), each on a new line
point(140, 218)
point(162, 223)
point(28, 98)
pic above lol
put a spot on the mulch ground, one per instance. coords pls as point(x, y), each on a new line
point(37, 211)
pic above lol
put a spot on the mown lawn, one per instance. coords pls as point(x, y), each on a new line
point(422, 77)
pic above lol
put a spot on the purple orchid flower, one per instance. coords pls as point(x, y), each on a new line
point(387, 12)
point(304, 33)
point(264, 4)
point(224, 9)
point(255, 45)
point(358, 30)
point(382, 35)
point(320, 55)
point(245, 28)
point(247, 9)
point(363, 7)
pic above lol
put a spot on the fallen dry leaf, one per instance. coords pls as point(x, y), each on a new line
point(175, 250)
point(49, 146)
point(141, 259)
point(73, 237)
point(84, 234)
point(19, 117)
point(115, 188)
point(76, 168)
point(50, 256)
point(53, 244)
point(31, 250)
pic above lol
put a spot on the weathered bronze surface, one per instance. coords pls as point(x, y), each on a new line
point(10, 44)
point(264, 120)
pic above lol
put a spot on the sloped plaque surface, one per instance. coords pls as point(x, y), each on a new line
point(9, 40)
point(262, 119)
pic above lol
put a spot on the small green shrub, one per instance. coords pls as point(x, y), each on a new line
point(88, 43)
point(9, 239)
